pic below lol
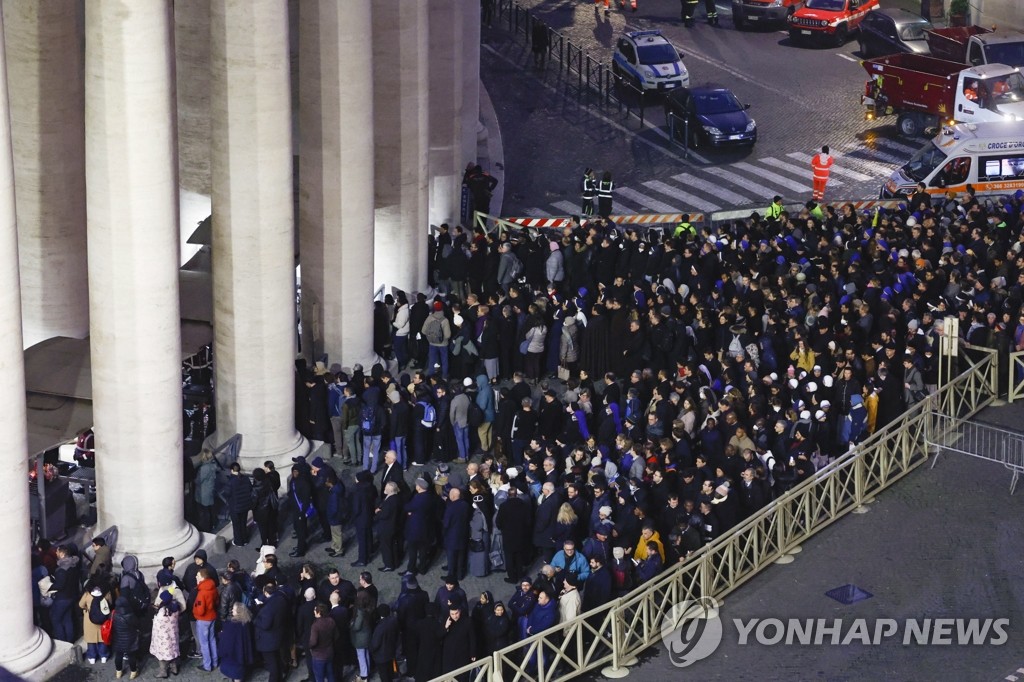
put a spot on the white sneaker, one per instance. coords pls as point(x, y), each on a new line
point(103, 660)
point(92, 661)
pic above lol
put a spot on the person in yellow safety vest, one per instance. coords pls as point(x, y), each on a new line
point(774, 211)
point(588, 188)
point(821, 165)
point(815, 210)
point(604, 195)
point(685, 229)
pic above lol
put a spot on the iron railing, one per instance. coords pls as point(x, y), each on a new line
point(1016, 374)
point(615, 633)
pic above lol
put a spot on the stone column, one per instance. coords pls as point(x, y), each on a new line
point(400, 103)
point(23, 647)
point(336, 231)
point(446, 96)
point(135, 326)
point(254, 321)
point(470, 80)
point(44, 67)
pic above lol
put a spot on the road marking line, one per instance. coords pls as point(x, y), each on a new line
point(847, 57)
point(740, 181)
point(688, 199)
point(799, 171)
point(892, 144)
point(537, 213)
point(874, 153)
point(711, 188)
point(1010, 678)
point(645, 201)
point(618, 126)
point(568, 207)
point(774, 177)
point(836, 170)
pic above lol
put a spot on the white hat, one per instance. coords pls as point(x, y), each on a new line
point(825, 403)
point(512, 472)
point(820, 414)
point(811, 387)
point(467, 382)
point(605, 511)
point(793, 383)
point(817, 368)
point(806, 414)
point(774, 376)
point(828, 381)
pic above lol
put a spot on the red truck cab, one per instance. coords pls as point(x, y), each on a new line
point(828, 20)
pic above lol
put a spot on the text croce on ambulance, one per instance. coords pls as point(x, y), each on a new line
point(987, 156)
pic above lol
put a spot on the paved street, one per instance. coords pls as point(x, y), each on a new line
point(801, 98)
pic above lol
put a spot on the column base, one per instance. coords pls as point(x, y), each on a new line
point(40, 658)
point(252, 457)
point(182, 548)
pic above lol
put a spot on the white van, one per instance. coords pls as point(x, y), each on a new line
point(987, 156)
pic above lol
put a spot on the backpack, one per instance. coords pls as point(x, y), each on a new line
point(429, 415)
point(476, 415)
point(97, 615)
point(368, 421)
point(137, 592)
point(434, 331)
point(517, 267)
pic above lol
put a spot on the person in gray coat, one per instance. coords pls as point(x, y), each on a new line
point(554, 268)
point(206, 480)
point(458, 413)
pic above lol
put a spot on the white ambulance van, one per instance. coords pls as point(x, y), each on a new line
point(987, 156)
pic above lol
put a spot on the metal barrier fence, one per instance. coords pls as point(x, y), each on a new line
point(616, 632)
point(1016, 375)
point(979, 440)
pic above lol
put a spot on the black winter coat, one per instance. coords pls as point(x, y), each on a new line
point(514, 520)
point(125, 635)
point(384, 641)
point(270, 622)
point(239, 494)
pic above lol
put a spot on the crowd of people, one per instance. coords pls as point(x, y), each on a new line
point(578, 412)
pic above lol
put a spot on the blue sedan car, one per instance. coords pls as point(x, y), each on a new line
point(709, 116)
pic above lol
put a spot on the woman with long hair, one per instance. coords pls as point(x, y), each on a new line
point(236, 643)
point(565, 524)
point(362, 631)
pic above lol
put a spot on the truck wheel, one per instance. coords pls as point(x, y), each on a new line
point(908, 125)
point(840, 36)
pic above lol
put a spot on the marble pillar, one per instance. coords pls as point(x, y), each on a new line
point(336, 196)
point(44, 72)
point(400, 103)
point(135, 326)
point(254, 316)
point(446, 166)
point(470, 80)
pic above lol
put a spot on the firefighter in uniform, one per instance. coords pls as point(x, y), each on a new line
point(821, 165)
point(588, 188)
point(604, 195)
point(711, 9)
point(689, 9)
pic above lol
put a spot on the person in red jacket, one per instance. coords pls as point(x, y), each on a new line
point(204, 610)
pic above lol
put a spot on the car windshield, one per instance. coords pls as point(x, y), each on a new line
point(829, 5)
point(1005, 89)
point(1011, 54)
point(913, 31)
point(659, 53)
point(924, 162)
point(721, 102)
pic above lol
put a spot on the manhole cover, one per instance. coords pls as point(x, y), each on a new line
point(848, 594)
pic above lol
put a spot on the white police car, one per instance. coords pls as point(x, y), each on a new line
point(647, 61)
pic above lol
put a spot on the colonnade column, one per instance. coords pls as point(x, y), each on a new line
point(400, 101)
point(44, 71)
point(254, 318)
point(336, 129)
point(135, 326)
point(24, 646)
point(470, 80)
point(446, 98)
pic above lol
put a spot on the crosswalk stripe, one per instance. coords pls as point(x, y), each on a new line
point(877, 168)
point(774, 177)
point(740, 181)
point(836, 170)
point(794, 169)
point(644, 200)
point(872, 154)
point(689, 200)
point(567, 207)
point(536, 213)
point(712, 188)
point(893, 144)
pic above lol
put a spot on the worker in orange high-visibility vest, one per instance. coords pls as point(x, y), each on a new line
point(821, 164)
point(607, 8)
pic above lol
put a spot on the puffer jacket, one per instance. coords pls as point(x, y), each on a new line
point(569, 349)
point(125, 635)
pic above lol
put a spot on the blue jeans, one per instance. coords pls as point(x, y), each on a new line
point(462, 440)
point(371, 452)
point(96, 650)
point(323, 671)
point(437, 355)
point(400, 448)
point(60, 617)
point(363, 655)
point(844, 423)
point(401, 347)
point(207, 643)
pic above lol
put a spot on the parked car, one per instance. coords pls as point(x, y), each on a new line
point(709, 116)
point(831, 21)
point(749, 13)
point(648, 61)
point(890, 31)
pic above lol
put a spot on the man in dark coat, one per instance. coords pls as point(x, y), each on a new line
point(410, 608)
point(239, 494)
point(388, 521)
point(599, 585)
point(429, 633)
point(335, 583)
point(300, 490)
point(514, 520)
point(391, 470)
point(545, 521)
point(419, 528)
point(269, 624)
point(455, 530)
point(459, 645)
point(361, 513)
point(384, 643)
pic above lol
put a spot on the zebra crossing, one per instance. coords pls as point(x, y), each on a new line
point(859, 170)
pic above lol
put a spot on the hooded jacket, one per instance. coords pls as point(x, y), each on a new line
point(205, 605)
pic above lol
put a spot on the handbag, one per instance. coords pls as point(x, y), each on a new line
point(563, 373)
point(477, 546)
point(524, 347)
point(107, 629)
point(45, 585)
